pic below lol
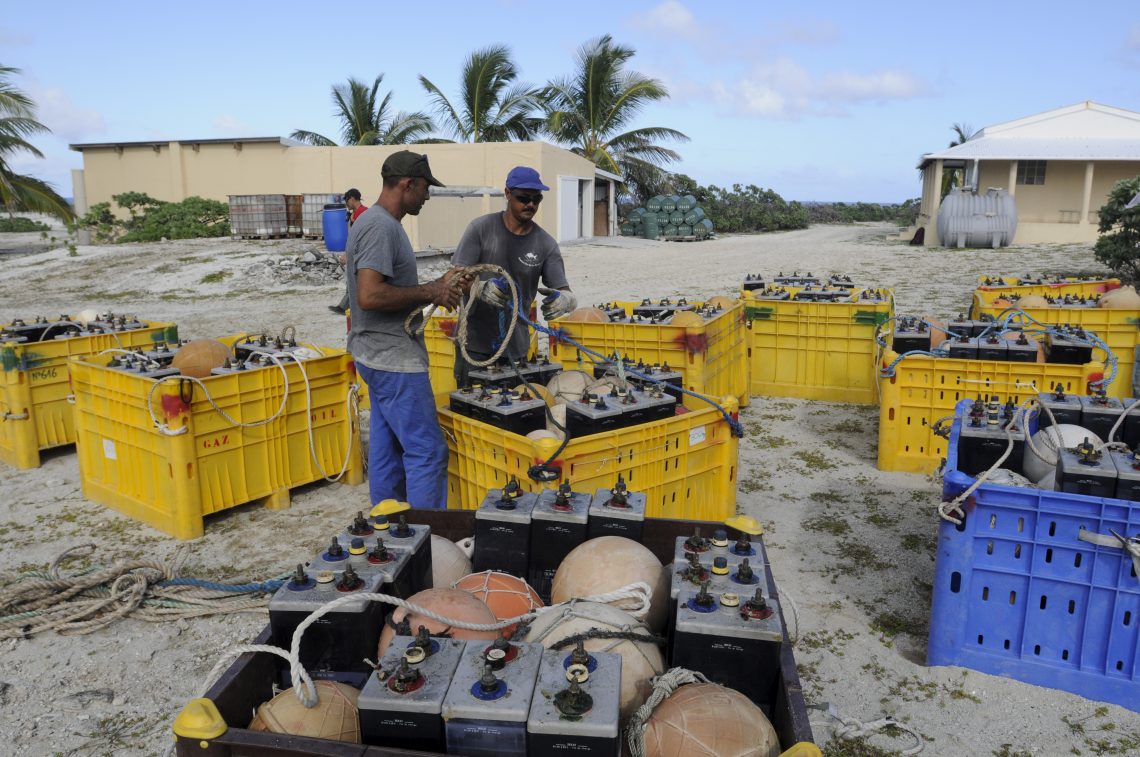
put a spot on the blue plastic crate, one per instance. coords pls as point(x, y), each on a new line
point(1018, 594)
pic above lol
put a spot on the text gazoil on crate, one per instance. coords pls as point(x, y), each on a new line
point(712, 357)
point(199, 462)
point(1118, 327)
point(34, 407)
point(685, 465)
point(815, 350)
point(1019, 593)
point(924, 389)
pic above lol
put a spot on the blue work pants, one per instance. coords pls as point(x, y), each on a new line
point(407, 457)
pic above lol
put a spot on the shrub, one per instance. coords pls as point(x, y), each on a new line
point(19, 224)
point(150, 220)
point(1119, 244)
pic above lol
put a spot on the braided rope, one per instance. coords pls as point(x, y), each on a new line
point(663, 686)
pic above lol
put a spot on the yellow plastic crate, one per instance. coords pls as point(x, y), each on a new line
point(686, 465)
point(1119, 329)
point(925, 389)
point(441, 357)
point(1009, 285)
point(201, 463)
point(34, 410)
point(712, 358)
point(815, 350)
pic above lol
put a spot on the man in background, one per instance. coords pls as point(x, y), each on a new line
point(355, 208)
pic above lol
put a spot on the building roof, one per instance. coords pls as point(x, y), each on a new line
point(163, 142)
point(1085, 131)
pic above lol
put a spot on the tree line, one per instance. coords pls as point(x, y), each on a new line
point(590, 111)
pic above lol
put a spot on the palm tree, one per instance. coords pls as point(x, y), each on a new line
point(18, 124)
point(952, 178)
point(590, 109)
point(364, 122)
point(493, 105)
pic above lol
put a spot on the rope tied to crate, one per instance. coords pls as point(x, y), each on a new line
point(1130, 544)
point(663, 687)
point(145, 589)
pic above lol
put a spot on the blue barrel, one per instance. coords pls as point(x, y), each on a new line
point(334, 224)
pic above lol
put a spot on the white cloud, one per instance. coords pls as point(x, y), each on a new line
point(68, 121)
point(786, 89)
point(672, 18)
point(230, 126)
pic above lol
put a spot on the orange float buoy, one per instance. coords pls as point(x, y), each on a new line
point(455, 604)
point(607, 563)
point(587, 315)
point(508, 596)
point(708, 720)
point(198, 357)
point(334, 717)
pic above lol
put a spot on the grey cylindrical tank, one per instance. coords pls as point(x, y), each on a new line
point(969, 219)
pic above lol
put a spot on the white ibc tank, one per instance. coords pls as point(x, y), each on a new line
point(969, 219)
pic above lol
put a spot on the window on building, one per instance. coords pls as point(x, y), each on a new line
point(1031, 172)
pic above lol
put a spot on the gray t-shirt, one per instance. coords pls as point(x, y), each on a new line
point(527, 258)
point(377, 340)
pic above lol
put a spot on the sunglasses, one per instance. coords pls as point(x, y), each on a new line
point(526, 199)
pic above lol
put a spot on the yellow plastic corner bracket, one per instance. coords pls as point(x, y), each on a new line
point(199, 719)
point(745, 523)
point(389, 507)
point(803, 749)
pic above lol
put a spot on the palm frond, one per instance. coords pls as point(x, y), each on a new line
point(312, 138)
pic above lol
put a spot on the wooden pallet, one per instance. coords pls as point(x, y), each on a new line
point(681, 239)
point(261, 236)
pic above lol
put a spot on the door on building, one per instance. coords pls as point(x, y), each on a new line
point(601, 208)
point(571, 192)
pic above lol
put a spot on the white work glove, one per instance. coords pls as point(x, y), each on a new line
point(557, 303)
point(494, 292)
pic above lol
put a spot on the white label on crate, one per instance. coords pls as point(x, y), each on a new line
point(109, 450)
point(697, 435)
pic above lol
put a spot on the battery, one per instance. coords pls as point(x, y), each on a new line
point(716, 633)
point(967, 326)
point(992, 347)
point(1099, 413)
point(1066, 408)
point(576, 704)
point(963, 347)
point(400, 704)
point(367, 557)
point(502, 530)
point(1065, 347)
point(336, 644)
point(772, 293)
point(499, 375)
point(722, 573)
point(752, 282)
point(612, 310)
point(797, 279)
point(1085, 470)
point(840, 280)
point(1022, 350)
point(983, 438)
point(1129, 433)
point(1127, 466)
point(617, 512)
point(594, 413)
point(911, 335)
point(417, 540)
point(486, 707)
point(644, 406)
point(558, 525)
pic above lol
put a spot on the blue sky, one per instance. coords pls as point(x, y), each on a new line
point(825, 101)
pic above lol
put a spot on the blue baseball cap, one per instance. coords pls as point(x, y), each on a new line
point(524, 177)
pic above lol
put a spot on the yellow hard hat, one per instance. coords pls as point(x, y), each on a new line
point(745, 523)
point(389, 507)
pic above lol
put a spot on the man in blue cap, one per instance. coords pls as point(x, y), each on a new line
point(512, 240)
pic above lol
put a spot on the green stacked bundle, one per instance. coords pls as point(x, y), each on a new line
point(668, 216)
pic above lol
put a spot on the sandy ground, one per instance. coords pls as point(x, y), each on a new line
point(852, 546)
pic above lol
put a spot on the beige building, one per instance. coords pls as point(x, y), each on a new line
point(581, 202)
point(1059, 166)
